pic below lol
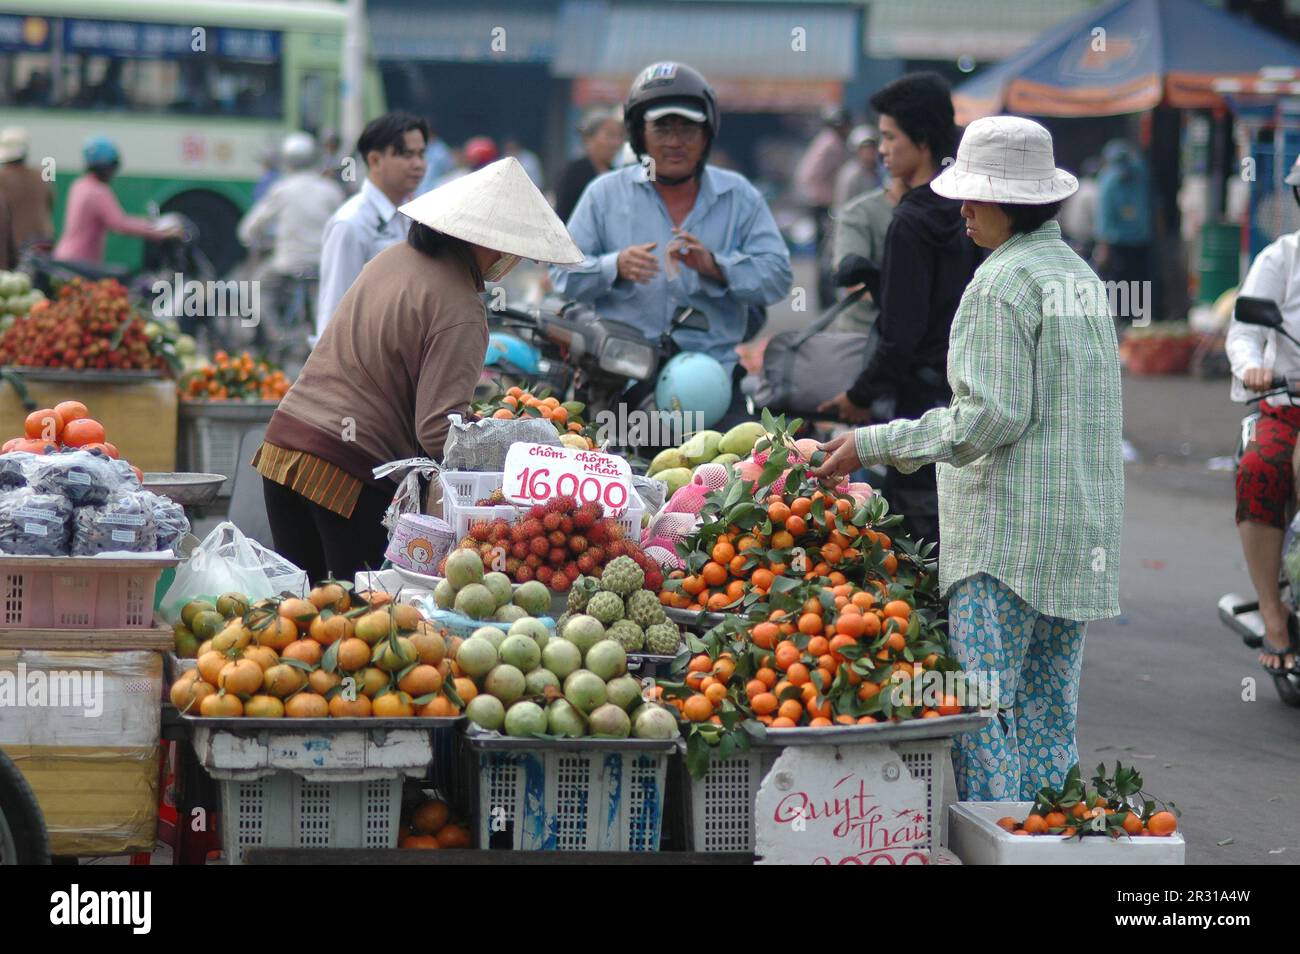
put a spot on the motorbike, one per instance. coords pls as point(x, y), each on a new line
point(23, 836)
point(599, 361)
point(1240, 614)
point(162, 262)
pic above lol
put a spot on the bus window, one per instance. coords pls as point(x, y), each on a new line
point(25, 80)
point(207, 85)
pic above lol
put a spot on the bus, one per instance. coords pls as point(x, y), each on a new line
point(194, 93)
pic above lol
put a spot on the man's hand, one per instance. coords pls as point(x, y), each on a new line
point(1258, 379)
point(844, 409)
point(688, 250)
point(842, 459)
point(638, 263)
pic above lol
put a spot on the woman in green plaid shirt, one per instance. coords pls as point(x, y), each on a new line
point(1031, 477)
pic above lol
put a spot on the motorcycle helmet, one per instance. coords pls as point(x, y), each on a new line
point(694, 382)
point(298, 151)
point(665, 85)
point(479, 151)
point(507, 349)
point(100, 151)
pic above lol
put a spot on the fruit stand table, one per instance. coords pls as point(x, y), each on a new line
point(210, 433)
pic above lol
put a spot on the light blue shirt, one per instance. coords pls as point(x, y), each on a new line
point(363, 226)
point(622, 208)
point(439, 161)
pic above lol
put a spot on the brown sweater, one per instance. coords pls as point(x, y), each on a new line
point(31, 202)
point(404, 349)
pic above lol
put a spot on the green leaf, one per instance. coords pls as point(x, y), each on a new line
point(329, 661)
point(297, 664)
point(449, 690)
point(727, 747)
point(697, 755)
point(754, 729)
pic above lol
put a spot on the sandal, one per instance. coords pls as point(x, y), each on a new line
point(1291, 649)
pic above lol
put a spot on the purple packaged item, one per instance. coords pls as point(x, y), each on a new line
point(419, 542)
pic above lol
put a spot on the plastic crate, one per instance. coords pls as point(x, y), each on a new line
point(79, 592)
point(460, 488)
point(285, 810)
point(721, 805)
point(975, 838)
point(568, 795)
point(211, 433)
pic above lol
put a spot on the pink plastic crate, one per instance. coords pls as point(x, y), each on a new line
point(78, 592)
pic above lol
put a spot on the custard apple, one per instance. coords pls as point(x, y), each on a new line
point(606, 607)
point(622, 576)
point(662, 639)
point(584, 587)
point(629, 635)
point(644, 609)
point(559, 623)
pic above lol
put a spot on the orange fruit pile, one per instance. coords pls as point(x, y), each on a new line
point(430, 826)
point(517, 403)
point(1066, 821)
point(812, 537)
point(234, 379)
point(332, 654)
point(66, 425)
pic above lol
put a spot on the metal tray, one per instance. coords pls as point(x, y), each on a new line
point(188, 490)
point(913, 730)
point(88, 376)
point(697, 619)
point(495, 742)
point(328, 725)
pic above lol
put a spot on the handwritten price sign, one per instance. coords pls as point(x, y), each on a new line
point(855, 805)
point(535, 473)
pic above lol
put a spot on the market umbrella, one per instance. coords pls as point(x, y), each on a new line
point(1126, 56)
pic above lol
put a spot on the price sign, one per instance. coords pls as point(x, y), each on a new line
point(852, 805)
point(535, 473)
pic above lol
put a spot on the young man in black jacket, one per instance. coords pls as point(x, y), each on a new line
point(927, 262)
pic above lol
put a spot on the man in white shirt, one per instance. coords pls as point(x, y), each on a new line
point(1265, 475)
point(392, 147)
point(294, 211)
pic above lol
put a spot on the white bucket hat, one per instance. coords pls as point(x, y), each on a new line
point(14, 143)
point(498, 207)
point(1005, 159)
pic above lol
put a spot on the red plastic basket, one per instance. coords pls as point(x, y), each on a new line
point(79, 592)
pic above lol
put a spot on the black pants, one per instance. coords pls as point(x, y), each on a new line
point(322, 542)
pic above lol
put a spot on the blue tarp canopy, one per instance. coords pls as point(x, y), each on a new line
point(1126, 56)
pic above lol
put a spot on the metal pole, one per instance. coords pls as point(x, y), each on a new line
point(352, 100)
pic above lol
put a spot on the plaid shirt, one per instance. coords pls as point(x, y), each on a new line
point(1030, 471)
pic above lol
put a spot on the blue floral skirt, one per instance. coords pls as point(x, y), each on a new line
point(1035, 660)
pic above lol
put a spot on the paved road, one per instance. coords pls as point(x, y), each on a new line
point(1164, 685)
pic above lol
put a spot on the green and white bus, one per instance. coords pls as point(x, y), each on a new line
point(194, 93)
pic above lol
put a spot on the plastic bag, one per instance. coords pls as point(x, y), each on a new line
point(125, 523)
point(15, 468)
point(33, 523)
point(410, 492)
point(168, 517)
point(227, 561)
point(124, 472)
point(85, 479)
point(483, 445)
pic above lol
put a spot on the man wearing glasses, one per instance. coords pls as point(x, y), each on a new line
point(674, 232)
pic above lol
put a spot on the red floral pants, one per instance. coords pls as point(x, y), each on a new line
point(1265, 481)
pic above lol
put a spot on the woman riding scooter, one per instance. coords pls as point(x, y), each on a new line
point(1265, 476)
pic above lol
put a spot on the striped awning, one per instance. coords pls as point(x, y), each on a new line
point(596, 38)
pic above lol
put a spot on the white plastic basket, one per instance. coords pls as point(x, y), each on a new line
point(285, 810)
point(461, 488)
point(722, 803)
point(572, 795)
point(975, 838)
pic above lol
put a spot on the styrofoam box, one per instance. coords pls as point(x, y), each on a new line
point(975, 838)
point(722, 803)
point(461, 488)
point(350, 755)
point(285, 810)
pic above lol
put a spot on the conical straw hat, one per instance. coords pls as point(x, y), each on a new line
point(499, 208)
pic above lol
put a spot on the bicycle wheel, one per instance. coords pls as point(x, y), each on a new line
point(23, 838)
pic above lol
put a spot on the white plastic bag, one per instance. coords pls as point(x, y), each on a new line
point(408, 498)
point(227, 561)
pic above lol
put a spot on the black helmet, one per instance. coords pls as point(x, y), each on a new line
point(677, 82)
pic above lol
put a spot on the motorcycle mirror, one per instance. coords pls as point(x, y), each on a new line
point(692, 319)
point(1257, 311)
point(857, 270)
